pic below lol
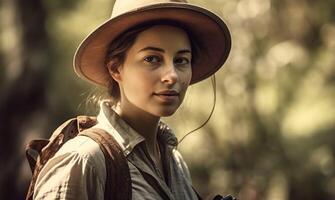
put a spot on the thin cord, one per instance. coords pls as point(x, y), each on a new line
point(213, 80)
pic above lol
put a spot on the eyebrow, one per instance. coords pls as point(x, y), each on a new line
point(162, 50)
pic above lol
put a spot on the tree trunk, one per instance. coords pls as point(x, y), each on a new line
point(23, 92)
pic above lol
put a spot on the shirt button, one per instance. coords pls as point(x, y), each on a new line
point(126, 151)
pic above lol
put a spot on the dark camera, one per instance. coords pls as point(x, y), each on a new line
point(228, 197)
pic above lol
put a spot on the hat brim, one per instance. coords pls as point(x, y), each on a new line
point(208, 29)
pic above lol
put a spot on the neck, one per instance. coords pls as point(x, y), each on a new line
point(144, 123)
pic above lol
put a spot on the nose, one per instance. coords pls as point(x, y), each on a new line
point(169, 74)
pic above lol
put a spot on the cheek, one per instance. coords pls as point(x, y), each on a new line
point(186, 76)
point(137, 83)
point(185, 79)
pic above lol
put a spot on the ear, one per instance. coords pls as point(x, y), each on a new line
point(114, 69)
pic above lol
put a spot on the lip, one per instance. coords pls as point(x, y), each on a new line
point(167, 93)
point(167, 96)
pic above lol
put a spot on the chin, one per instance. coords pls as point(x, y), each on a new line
point(165, 112)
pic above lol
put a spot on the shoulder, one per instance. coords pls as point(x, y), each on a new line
point(83, 146)
point(83, 151)
point(78, 166)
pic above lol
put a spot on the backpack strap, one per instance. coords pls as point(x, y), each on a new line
point(33, 149)
point(118, 181)
point(38, 152)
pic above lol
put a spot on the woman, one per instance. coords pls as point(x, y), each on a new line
point(147, 54)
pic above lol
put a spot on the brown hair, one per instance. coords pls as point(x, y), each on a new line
point(119, 47)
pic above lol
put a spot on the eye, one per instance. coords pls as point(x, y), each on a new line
point(181, 61)
point(152, 59)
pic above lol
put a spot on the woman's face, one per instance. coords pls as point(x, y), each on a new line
point(156, 71)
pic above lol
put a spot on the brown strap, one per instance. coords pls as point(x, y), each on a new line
point(33, 149)
point(37, 146)
point(48, 150)
point(118, 181)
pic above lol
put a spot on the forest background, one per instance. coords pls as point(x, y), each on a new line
point(271, 136)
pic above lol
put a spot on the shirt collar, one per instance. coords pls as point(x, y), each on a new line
point(124, 134)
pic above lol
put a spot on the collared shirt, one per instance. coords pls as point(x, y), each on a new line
point(77, 171)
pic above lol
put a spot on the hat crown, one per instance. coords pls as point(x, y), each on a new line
point(124, 6)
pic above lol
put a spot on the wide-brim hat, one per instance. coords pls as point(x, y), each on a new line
point(210, 32)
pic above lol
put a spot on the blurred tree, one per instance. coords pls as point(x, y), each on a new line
point(272, 136)
point(24, 83)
